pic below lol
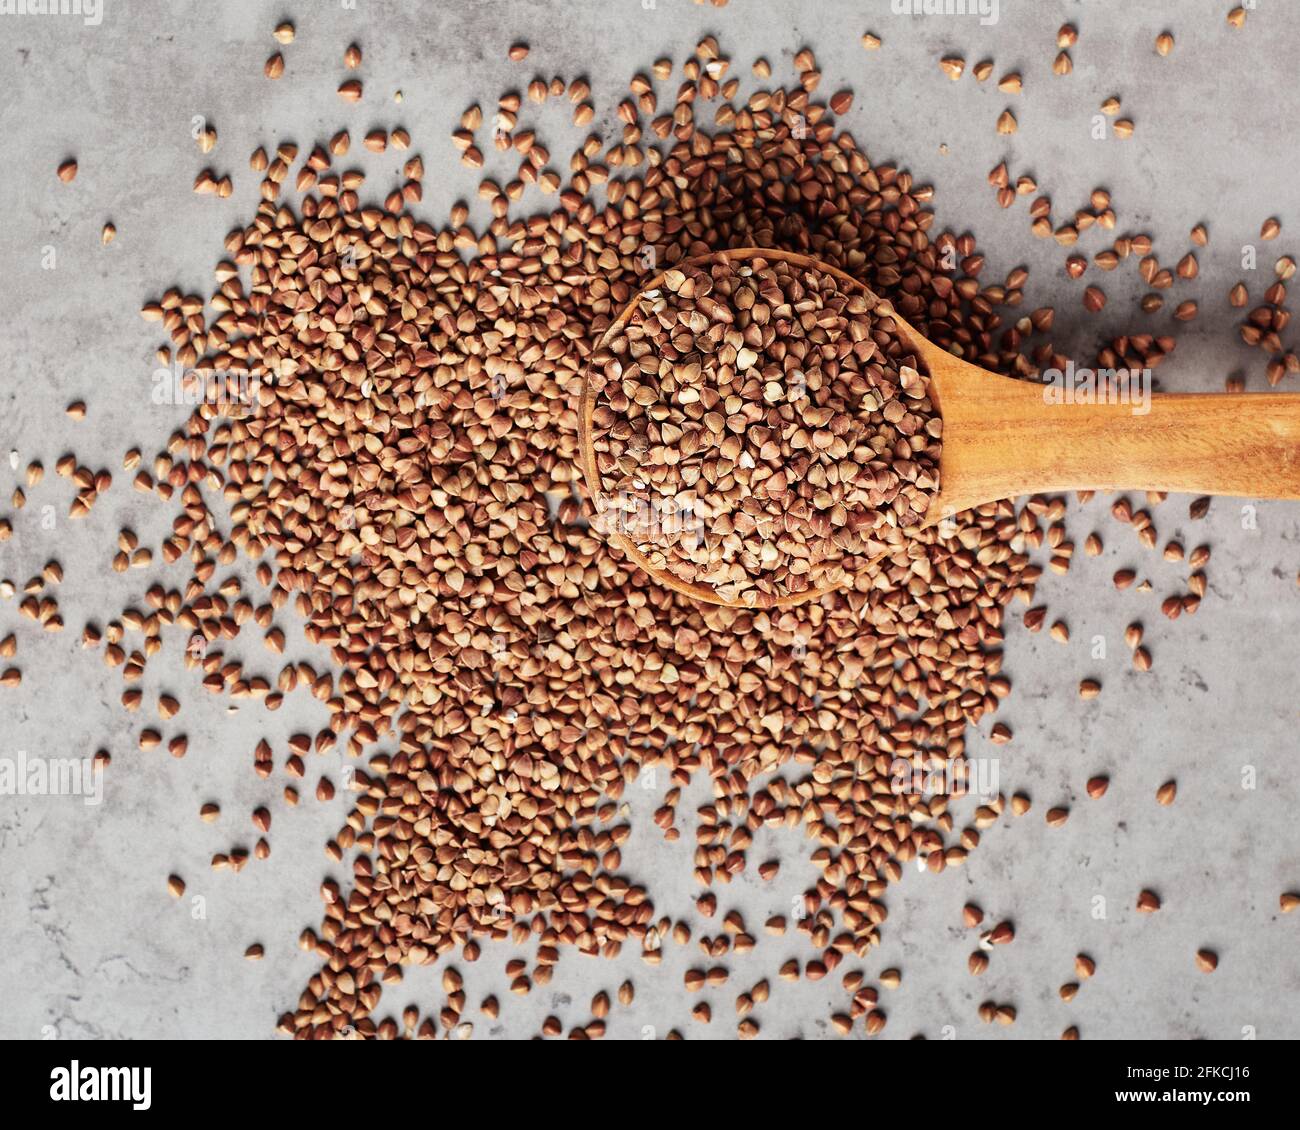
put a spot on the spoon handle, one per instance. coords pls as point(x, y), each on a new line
point(1015, 440)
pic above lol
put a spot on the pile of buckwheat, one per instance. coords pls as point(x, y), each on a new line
point(406, 474)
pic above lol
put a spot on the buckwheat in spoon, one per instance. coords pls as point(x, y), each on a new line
point(758, 429)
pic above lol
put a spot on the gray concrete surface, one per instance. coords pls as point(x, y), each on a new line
point(90, 944)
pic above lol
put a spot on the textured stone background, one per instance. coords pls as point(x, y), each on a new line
point(90, 943)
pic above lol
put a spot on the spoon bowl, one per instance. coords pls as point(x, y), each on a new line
point(1004, 437)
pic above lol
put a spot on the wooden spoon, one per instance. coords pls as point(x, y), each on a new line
point(1004, 437)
